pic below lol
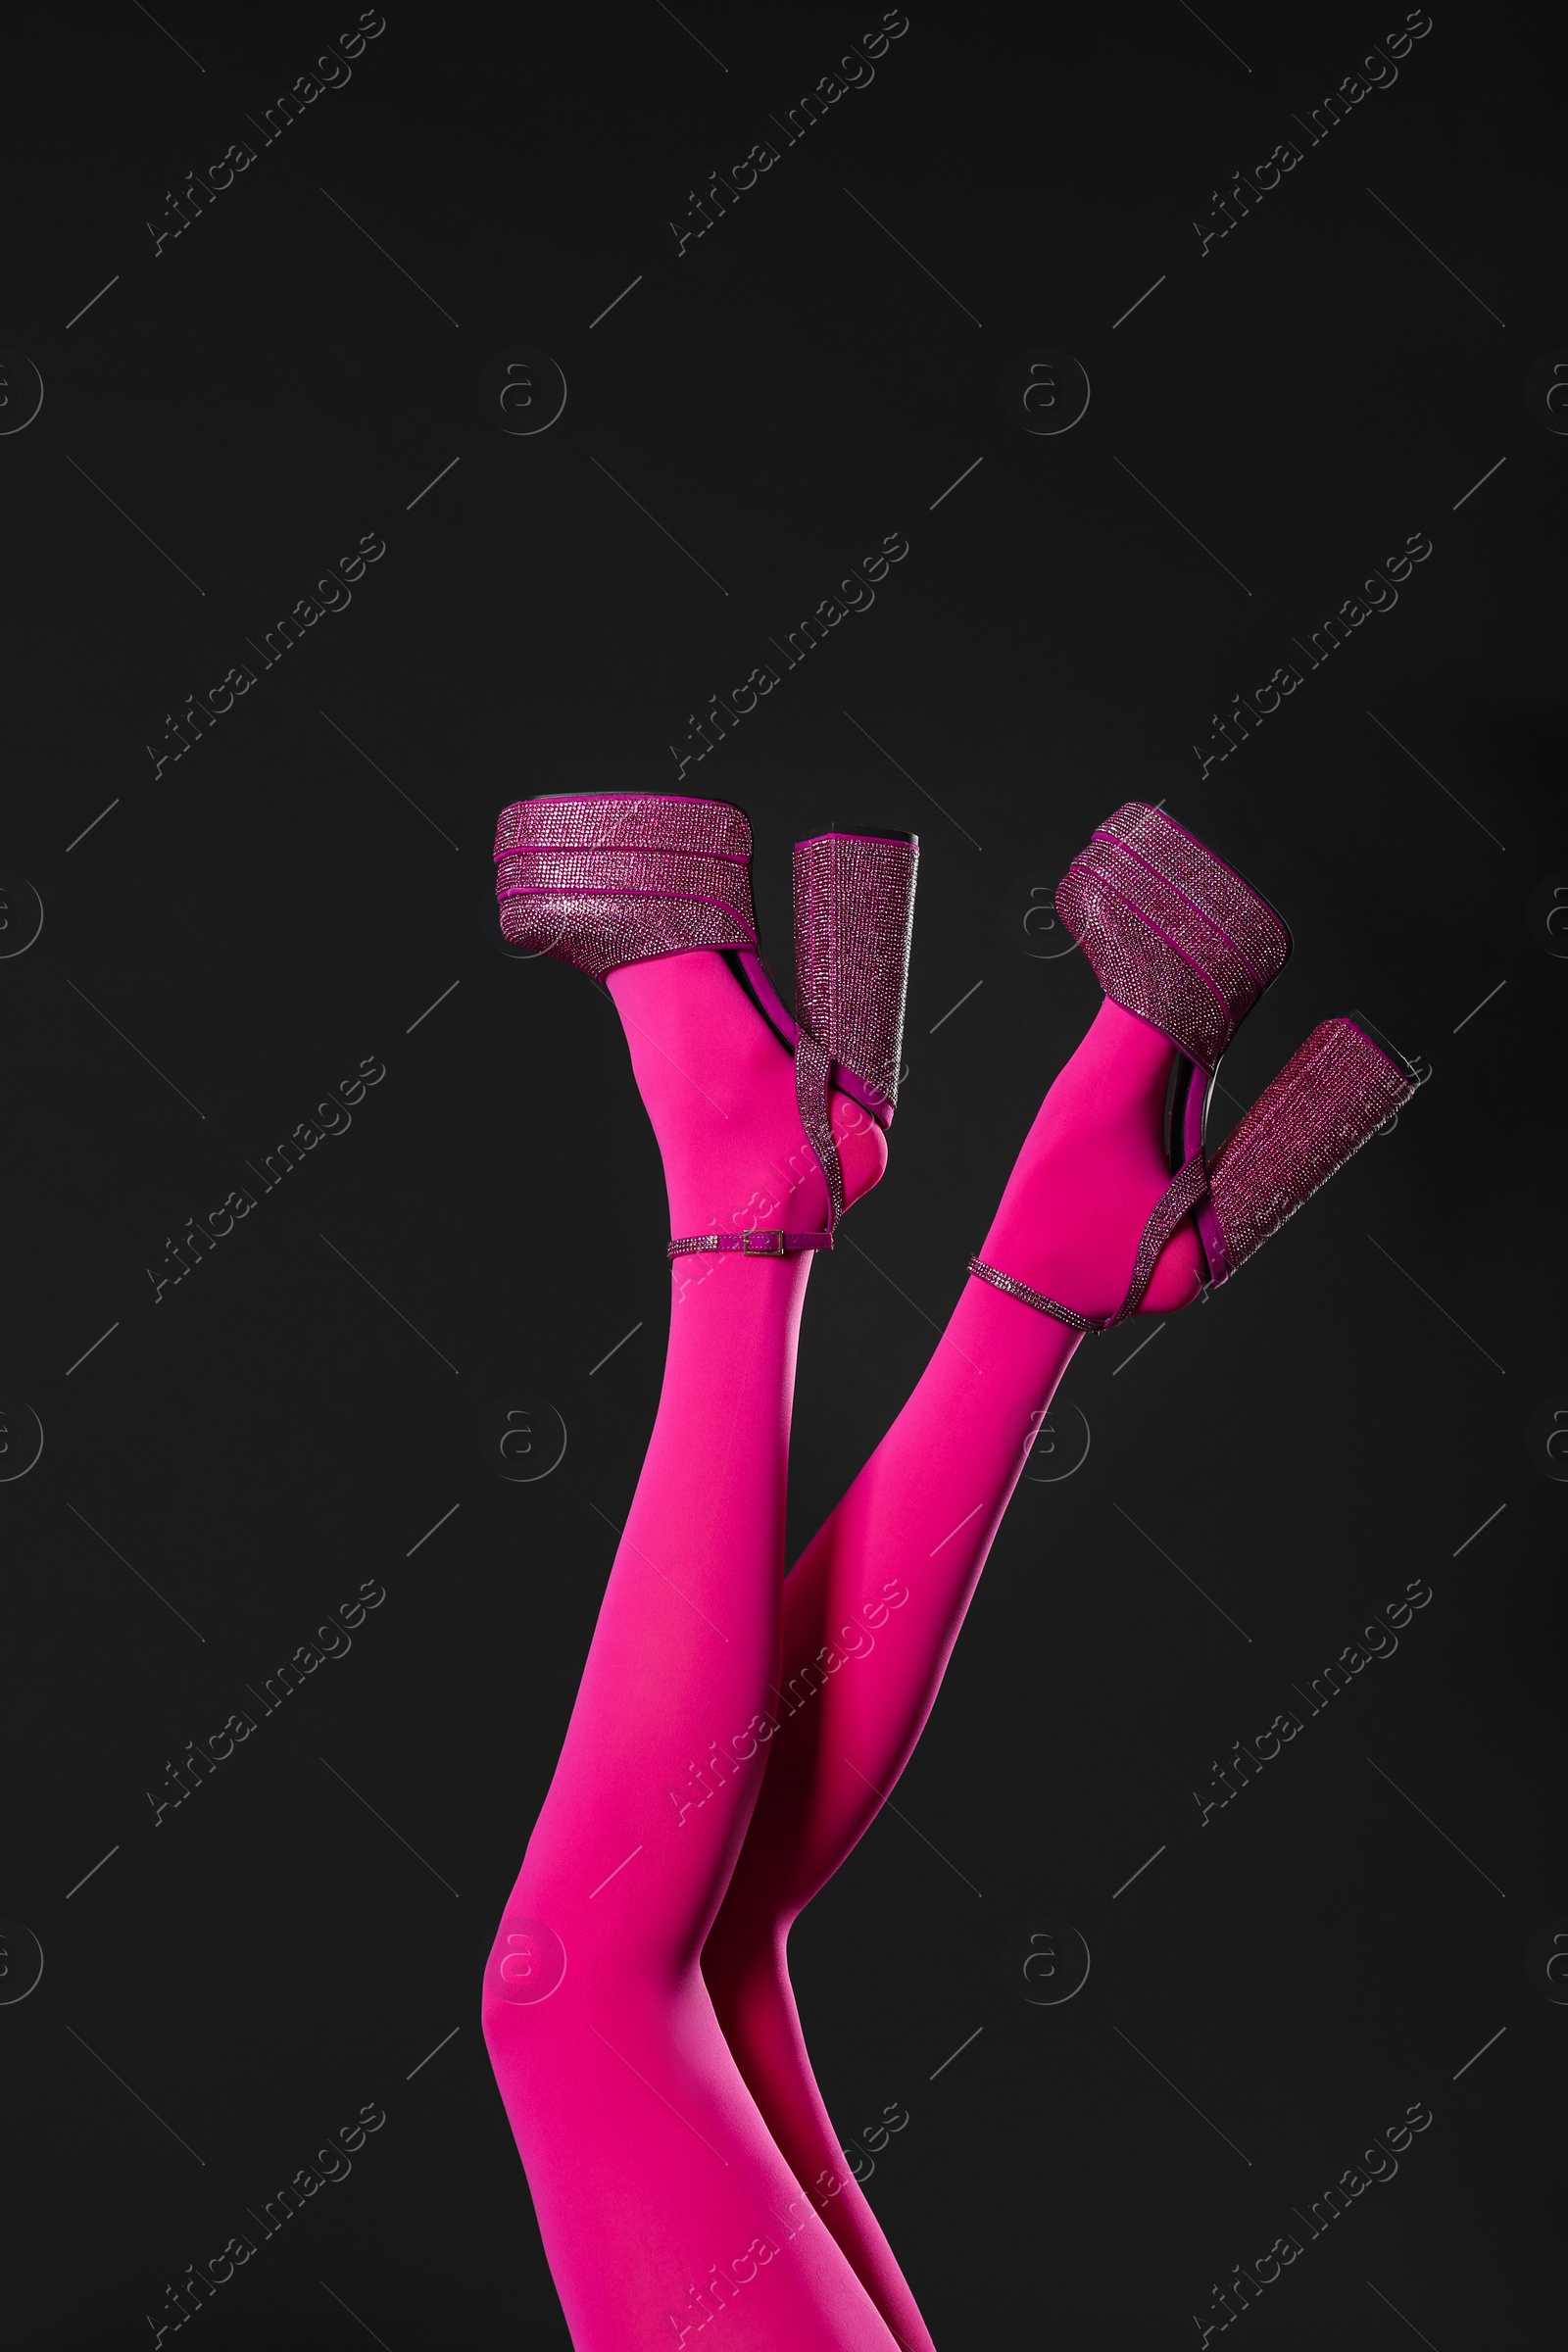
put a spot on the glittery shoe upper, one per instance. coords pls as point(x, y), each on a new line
point(1172, 933)
point(853, 914)
point(1334, 1093)
point(602, 879)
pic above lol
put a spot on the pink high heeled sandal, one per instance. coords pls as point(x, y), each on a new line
point(1176, 937)
point(598, 880)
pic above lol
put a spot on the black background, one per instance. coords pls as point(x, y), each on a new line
point(781, 395)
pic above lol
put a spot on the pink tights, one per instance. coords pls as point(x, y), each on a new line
point(637, 2005)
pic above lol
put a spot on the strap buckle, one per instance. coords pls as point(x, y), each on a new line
point(762, 1242)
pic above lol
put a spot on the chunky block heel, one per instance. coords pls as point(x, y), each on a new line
point(1333, 1094)
point(853, 917)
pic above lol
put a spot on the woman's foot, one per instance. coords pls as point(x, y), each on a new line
point(1091, 1171)
point(718, 1084)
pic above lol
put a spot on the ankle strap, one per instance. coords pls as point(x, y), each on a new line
point(1177, 1202)
point(763, 1241)
point(1036, 1299)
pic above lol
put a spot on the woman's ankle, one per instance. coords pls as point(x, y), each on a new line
point(1092, 1169)
point(719, 1084)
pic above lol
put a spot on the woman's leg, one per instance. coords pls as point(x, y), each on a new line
point(873, 1607)
point(661, 2197)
